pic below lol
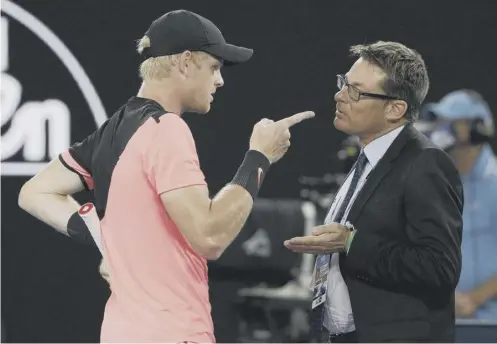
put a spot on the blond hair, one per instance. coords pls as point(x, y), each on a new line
point(161, 67)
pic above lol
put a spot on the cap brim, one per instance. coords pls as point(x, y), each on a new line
point(441, 110)
point(436, 109)
point(230, 54)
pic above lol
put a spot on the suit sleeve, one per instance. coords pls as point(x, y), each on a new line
point(78, 158)
point(171, 161)
point(431, 255)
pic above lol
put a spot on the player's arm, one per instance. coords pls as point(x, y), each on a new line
point(47, 196)
point(210, 225)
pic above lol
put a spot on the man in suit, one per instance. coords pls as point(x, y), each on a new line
point(392, 238)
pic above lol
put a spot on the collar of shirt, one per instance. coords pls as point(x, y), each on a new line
point(377, 148)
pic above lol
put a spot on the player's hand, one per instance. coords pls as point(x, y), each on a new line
point(103, 271)
point(273, 138)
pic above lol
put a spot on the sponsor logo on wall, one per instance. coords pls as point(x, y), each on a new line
point(44, 91)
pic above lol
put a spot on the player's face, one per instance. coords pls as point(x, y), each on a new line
point(205, 80)
point(364, 117)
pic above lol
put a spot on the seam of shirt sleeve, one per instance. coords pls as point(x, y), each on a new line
point(66, 165)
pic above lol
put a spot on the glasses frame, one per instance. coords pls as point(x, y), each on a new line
point(342, 79)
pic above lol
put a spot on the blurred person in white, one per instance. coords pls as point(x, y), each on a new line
point(464, 128)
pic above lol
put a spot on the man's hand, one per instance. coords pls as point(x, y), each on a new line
point(325, 239)
point(466, 305)
point(103, 271)
point(273, 138)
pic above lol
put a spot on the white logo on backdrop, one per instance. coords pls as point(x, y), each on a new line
point(259, 244)
point(29, 120)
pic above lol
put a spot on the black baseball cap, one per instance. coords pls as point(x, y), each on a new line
point(181, 30)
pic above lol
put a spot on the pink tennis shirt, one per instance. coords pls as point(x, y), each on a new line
point(159, 285)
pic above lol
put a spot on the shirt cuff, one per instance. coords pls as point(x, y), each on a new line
point(349, 240)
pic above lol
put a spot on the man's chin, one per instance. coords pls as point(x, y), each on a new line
point(340, 124)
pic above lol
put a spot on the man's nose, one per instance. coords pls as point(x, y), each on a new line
point(341, 95)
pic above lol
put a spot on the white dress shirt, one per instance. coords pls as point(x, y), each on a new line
point(338, 317)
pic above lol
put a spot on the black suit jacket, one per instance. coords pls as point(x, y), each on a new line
point(405, 260)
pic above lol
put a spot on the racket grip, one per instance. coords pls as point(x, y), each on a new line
point(89, 215)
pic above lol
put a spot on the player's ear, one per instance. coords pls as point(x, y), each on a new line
point(183, 61)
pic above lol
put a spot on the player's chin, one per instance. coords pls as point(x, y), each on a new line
point(202, 110)
point(205, 110)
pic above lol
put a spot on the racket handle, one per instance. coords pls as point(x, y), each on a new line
point(89, 215)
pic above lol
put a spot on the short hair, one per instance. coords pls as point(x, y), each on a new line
point(160, 67)
point(407, 76)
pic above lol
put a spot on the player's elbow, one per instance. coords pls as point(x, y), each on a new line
point(210, 249)
point(209, 244)
point(26, 196)
point(204, 235)
point(207, 247)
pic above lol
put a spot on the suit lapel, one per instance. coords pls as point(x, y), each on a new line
point(380, 171)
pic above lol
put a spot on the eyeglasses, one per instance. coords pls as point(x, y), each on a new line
point(355, 94)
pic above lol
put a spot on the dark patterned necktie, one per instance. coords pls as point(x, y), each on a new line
point(317, 314)
point(359, 169)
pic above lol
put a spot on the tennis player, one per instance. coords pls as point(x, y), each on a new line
point(158, 224)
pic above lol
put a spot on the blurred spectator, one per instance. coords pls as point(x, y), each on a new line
point(464, 126)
